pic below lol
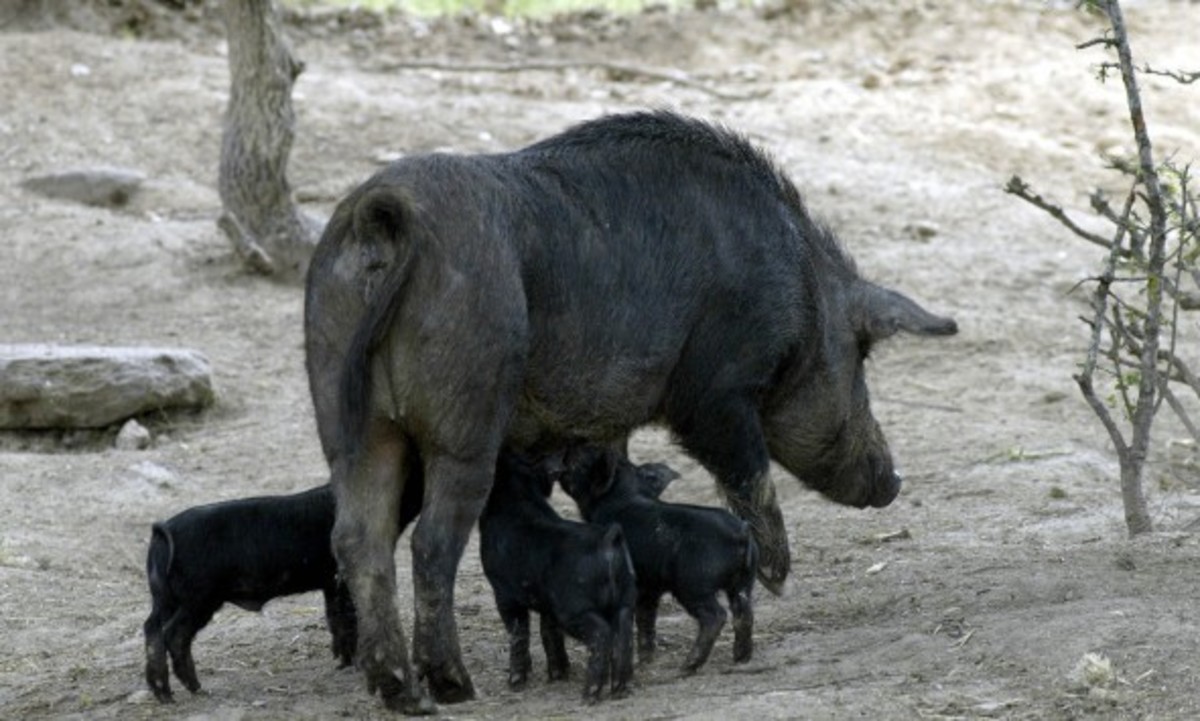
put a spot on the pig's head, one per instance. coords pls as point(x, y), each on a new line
point(818, 420)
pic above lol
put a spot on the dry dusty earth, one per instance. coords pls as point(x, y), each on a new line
point(900, 127)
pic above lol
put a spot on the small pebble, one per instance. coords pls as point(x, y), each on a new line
point(133, 437)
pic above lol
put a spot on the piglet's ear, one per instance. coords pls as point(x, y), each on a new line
point(653, 478)
point(554, 463)
point(604, 473)
point(880, 313)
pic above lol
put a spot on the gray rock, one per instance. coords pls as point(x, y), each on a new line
point(104, 186)
point(133, 437)
point(46, 386)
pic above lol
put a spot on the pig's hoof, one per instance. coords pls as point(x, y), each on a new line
point(409, 705)
point(450, 687)
point(773, 579)
point(400, 696)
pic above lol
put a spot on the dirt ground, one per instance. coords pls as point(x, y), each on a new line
point(900, 127)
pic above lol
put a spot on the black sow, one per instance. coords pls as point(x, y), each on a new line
point(637, 268)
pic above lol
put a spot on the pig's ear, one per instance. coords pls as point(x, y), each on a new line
point(880, 313)
point(653, 478)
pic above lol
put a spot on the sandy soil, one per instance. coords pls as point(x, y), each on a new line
point(900, 127)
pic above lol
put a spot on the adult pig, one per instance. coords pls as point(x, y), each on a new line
point(637, 268)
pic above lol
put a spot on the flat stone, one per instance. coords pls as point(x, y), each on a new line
point(103, 186)
point(48, 386)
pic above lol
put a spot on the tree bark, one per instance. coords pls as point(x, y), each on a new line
point(260, 217)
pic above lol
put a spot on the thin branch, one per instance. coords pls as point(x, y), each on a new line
point(1121, 336)
point(1018, 187)
point(670, 75)
point(1185, 374)
point(1106, 42)
point(1089, 394)
point(1182, 371)
point(1189, 229)
point(1186, 301)
point(1124, 362)
point(1172, 343)
point(1180, 76)
point(1100, 204)
point(1100, 314)
point(1180, 412)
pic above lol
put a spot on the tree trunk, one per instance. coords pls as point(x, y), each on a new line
point(260, 218)
point(1136, 516)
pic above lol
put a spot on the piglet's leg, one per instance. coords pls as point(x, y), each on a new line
point(622, 659)
point(598, 635)
point(157, 675)
point(708, 613)
point(180, 630)
point(742, 609)
point(342, 622)
point(558, 666)
point(647, 619)
point(516, 622)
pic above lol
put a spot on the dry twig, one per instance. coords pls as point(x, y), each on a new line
point(1179, 76)
point(1018, 187)
point(670, 75)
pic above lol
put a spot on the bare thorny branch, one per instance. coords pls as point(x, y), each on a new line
point(1150, 257)
point(1183, 77)
point(1018, 187)
point(1130, 223)
point(1100, 301)
point(1179, 76)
